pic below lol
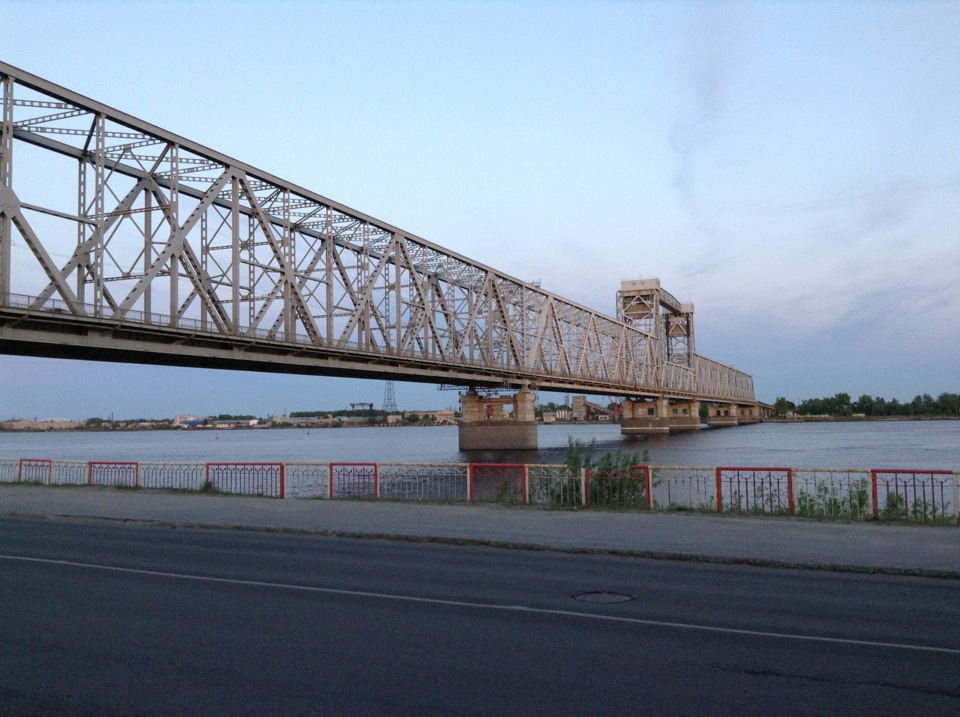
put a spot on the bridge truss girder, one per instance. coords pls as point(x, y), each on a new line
point(145, 244)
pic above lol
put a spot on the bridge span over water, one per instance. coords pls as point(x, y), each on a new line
point(138, 245)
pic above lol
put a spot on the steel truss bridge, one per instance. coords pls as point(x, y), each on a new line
point(120, 241)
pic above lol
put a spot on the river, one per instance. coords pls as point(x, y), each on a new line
point(881, 444)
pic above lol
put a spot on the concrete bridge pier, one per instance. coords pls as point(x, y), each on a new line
point(487, 425)
point(684, 416)
point(751, 413)
point(723, 414)
point(643, 417)
point(659, 415)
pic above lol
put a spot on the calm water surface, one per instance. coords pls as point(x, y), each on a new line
point(895, 444)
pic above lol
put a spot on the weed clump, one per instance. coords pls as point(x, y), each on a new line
point(614, 479)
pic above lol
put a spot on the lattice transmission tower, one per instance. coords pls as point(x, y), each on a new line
point(389, 400)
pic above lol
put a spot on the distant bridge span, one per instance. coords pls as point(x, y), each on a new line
point(137, 245)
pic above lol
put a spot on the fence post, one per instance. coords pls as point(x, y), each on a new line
point(376, 480)
point(206, 476)
point(283, 480)
point(719, 491)
point(874, 508)
point(956, 495)
point(469, 482)
point(136, 475)
point(790, 489)
point(586, 485)
point(648, 486)
point(330, 481)
point(89, 472)
point(526, 484)
point(19, 469)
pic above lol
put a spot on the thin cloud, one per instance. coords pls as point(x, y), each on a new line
point(709, 65)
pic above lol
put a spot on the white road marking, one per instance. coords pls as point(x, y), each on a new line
point(488, 606)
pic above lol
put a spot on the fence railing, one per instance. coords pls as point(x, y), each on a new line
point(265, 479)
point(833, 493)
point(919, 496)
point(923, 496)
point(755, 490)
point(115, 473)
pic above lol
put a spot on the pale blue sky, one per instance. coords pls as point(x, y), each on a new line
point(792, 168)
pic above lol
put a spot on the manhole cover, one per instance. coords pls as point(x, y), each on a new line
point(602, 596)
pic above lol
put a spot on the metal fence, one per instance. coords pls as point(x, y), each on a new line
point(354, 480)
point(308, 480)
point(620, 489)
point(498, 483)
point(916, 495)
point(755, 490)
point(263, 479)
point(683, 488)
point(173, 476)
point(832, 493)
point(923, 496)
point(424, 481)
point(555, 485)
point(113, 473)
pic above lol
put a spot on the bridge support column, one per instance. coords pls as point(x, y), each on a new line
point(659, 416)
point(485, 425)
point(642, 417)
point(723, 414)
point(684, 416)
point(748, 413)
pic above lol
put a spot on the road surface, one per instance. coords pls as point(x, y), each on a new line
point(113, 618)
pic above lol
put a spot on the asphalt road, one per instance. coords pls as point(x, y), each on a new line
point(107, 618)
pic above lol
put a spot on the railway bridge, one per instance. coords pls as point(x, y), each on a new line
point(137, 245)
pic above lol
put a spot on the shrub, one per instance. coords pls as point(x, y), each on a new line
point(612, 478)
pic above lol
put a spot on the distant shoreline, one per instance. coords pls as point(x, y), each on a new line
point(212, 429)
point(208, 429)
point(857, 419)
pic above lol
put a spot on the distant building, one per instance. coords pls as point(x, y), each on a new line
point(242, 423)
point(187, 421)
point(580, 408)
point(444, 416)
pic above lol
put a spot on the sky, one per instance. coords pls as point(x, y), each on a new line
point(792, 168)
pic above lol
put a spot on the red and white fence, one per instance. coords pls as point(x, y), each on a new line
point(35, 470)
point(915, 495)
point(823, 493)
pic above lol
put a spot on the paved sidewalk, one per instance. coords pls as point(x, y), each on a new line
point(782, 542)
